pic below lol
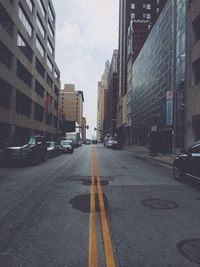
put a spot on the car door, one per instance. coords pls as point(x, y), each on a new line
point(194, 160)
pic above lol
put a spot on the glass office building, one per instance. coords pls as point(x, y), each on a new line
point(153, 77)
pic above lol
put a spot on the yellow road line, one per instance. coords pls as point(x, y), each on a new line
point(110, 261)
point(92, 257)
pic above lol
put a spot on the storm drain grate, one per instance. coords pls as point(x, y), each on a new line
point(159, 203)
point(190, 249)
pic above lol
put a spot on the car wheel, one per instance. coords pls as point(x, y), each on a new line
point(177, 173)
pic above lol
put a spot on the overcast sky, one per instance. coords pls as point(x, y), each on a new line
point(86, 35)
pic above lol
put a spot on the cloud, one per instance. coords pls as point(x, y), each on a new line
point(86, 34)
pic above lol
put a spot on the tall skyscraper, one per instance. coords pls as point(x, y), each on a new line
point(29, 76)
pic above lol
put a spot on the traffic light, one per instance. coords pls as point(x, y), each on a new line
point(87, 127)
point(95, 129)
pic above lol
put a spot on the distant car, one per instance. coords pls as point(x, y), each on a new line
point(67, 146)
point(112, 143)
point(29, 149)
point(53, 149)
point(87, 142)
point(187, 163)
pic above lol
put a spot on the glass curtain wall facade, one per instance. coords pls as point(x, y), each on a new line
point(180, 71)
point(152, 81)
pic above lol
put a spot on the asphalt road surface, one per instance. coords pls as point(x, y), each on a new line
point(98, 207)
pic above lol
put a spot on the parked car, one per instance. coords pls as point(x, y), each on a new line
point(112, 143)
point(29, 149)
point(67, 146)
point(87, 142)
point(53, 149)
point(187, 163)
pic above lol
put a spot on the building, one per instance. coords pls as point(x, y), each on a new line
point(153, 76)
point(29, 76)
point(110, 117)
point(158, 81)
point(102, 89)
point(142, 14)
point(192, 96)
point(71, 102)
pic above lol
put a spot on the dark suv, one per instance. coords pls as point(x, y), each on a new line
point(30, 149)
point(188, 162)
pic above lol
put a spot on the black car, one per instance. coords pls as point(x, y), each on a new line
point(53, 149)
point(187, 163)
point(67, 146)
point(29, 149)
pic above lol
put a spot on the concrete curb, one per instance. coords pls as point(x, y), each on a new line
point(160, 160)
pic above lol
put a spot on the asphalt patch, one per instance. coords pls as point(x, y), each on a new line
point(82, 203)
point(88, 182)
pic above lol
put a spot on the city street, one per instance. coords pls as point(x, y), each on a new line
point(45, 212)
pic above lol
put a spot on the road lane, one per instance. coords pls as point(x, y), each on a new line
point(44, 211)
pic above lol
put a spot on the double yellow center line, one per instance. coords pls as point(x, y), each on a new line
point(93, 251)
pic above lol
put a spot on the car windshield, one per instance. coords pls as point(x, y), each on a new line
point(50, 144)
point(21, 141)
point(66, 142)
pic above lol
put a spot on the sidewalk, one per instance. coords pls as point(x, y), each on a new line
point(166, 159)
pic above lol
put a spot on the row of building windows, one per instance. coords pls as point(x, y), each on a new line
point(43, 11)
point(23, 104)
point(5, 21)
point(25, 21)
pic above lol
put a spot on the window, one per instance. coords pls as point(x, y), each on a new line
point(133, 6)
point(132, 15)
point(5, 94)
point(40, 26)
point(40, 47)
point(49, 64)
point(56, 90)
point(23, 104)
point(56, 75)
point(5, 56)
point(5, 21)
point(41, 5)
point(39, 67)
point(38, 112)
point(39, 89)
point(30, 5)
point(195, 149)
point(49, 81)
point(196, 71)
point(25, 21)
point(50, 47)
point(148, 16)
point(50, 30)
point(196, 28)
point(48, 118)
point(148, 6)
point(24, 74)
point(22, 45)
point(51, 13)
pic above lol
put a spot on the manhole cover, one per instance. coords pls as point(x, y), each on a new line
point(190, 249)
point(82, 202)
point(159, 203)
